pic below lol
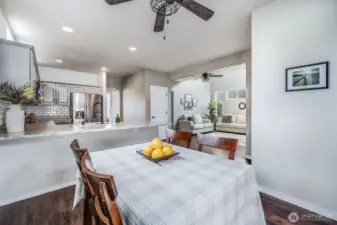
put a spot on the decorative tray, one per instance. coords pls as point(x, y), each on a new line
point(140, 152)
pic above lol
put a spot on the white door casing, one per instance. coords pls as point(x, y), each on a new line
point(159, 108)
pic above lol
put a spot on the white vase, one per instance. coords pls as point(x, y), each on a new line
point(15, 119)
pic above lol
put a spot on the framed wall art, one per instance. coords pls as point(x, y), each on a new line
point(308, 77)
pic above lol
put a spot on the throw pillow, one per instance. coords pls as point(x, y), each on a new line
point(241, 119)
point(183, 117)
point(227, 119)
point(197, 119)
point(189, 118)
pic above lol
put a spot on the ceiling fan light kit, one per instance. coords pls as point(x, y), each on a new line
point(164, 7)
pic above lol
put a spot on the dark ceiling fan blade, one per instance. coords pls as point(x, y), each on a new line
point(160, 20)
point(196, 8)
point(114, 2)
point(215, 75)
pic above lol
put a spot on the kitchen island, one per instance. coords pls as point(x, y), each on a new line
point(34, 163)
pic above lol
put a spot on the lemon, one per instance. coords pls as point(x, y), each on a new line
point(147, 150)
point(157, 143)
point(157, 153)
point(167, 149)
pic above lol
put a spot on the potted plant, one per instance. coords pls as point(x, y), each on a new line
point(15, 117)
point(212, 113)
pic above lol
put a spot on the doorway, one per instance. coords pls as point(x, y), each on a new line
point(159, 108)
point(113, 104)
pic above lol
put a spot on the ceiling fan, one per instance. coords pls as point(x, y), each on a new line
point(165, 8)
point(206, 76)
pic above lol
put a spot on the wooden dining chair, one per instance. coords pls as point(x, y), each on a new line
point(173, 135)
point(227, 144)
point(112, 217)
point(94, 179)
point(88, 210)
point(77, 152)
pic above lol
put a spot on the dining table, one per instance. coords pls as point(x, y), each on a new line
point(192, 188)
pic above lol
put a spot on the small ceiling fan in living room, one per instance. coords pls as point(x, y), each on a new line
point(207, 76)
point(164, 8)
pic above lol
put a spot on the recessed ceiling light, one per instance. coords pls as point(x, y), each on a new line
point(59, 60)
point(104, 69)
point(68, 29)
point(132, 49)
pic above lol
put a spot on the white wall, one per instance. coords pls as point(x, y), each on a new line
point(234, 77)
point(114, 82)
point(136, 94)
point(5, 29)
point(68, 76)
point(199, 90)
point(134, 99)
point(3, 25)
point(294, 133)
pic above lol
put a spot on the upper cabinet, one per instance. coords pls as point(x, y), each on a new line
point(18, 63)
point(62, 94)
point(48, 93)
point(59, 93)
point(52, 93)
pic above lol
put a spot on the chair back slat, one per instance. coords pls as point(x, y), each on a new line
point(173, 135)
point(228, 144)
point(113, 212)
point(77, 151)
point(100, 213)
point(95, 178)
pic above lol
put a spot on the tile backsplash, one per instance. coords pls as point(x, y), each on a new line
point(47, 110)
point(38, 110)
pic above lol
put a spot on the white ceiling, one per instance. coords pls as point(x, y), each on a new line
point(103, 33)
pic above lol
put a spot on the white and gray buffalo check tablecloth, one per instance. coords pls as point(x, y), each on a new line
point(192, 188)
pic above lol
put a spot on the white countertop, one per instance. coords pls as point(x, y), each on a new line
point(74, 129)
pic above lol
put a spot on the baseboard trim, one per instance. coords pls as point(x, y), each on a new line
point(34, 194)
point(300, 203)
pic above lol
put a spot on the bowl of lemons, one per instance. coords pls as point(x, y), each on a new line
point(157, 151)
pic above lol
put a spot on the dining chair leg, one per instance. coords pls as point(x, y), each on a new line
point(87, 218)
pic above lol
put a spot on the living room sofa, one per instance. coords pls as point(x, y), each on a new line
point(195, 124)
point(232, 124)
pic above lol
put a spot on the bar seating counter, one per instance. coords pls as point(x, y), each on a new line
point(34, 163)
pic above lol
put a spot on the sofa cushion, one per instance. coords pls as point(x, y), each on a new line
point(229, 125)
point(227, 119)
point(208, 125)
point(183, 117)
point(222, 124)
point(241, 126)
point(197, 119)
point(198, 126)
point(205, 120)
point(241, 119)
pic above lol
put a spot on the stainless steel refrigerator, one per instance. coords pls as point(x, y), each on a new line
point(86, 108)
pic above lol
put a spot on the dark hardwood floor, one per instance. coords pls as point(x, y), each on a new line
point(55, 208)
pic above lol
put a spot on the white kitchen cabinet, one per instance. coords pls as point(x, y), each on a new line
point(48, 93)
point(62, 94)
